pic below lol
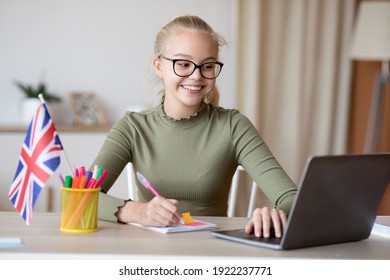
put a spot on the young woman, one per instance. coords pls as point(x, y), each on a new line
point(189, 147)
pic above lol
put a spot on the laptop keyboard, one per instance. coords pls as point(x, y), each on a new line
point(270, 240)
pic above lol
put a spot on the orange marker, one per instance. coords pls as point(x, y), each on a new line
point(75, 182)
point(83, 180)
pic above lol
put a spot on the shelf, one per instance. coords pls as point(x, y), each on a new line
point(60, 128)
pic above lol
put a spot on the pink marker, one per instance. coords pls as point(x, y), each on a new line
point(101, 178)
point(146, 184)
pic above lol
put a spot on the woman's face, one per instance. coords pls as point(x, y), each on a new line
point(183, 95)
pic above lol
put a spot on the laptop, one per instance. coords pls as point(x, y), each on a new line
point(337, 201)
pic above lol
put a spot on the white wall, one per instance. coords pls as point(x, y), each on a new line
point(103, 46)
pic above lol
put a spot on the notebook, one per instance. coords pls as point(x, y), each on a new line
point(337, 201)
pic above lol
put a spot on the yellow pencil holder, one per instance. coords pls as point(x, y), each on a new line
point(79, 210)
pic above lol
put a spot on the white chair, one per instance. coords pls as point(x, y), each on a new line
point(133, 193)
point(233, 196)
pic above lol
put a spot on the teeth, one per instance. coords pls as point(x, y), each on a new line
point(192, 87)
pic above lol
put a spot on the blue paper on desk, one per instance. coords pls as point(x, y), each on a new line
point(10, 242)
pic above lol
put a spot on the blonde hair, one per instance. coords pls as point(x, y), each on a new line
point(192, 23)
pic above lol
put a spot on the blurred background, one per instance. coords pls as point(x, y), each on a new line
point(290, 65)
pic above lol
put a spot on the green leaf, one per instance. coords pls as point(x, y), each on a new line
point(31, 92)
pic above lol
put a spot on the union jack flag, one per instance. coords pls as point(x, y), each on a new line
point(39, 158)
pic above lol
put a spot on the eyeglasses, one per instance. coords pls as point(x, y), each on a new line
point(185, 68)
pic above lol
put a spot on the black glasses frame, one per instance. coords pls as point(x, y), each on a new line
point(195, 66)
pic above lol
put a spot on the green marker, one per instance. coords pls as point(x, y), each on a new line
point(68, 181)
point(99, 172)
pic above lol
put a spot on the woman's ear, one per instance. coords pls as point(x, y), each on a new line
point(157, 66)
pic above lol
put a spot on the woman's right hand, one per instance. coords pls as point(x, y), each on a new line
point(158, 212)
point(263, 219)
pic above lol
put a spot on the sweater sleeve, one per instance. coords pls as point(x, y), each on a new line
point(256, 158)
point(114, 155)
point(108, 207)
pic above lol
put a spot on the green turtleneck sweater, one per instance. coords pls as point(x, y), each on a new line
point(191, 160)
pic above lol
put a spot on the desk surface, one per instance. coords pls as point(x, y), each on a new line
point(43, 240)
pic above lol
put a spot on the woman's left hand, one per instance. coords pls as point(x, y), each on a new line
point(263, 219)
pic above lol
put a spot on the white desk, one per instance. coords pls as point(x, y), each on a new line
point(44, 240)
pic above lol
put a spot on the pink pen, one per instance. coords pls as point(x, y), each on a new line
point(146, 184)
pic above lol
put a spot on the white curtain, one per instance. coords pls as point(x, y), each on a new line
point(294, 75)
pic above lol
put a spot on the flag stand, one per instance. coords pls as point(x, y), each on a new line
point(63, 150)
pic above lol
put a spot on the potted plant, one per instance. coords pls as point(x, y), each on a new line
point(31, 99)
point(33, 92)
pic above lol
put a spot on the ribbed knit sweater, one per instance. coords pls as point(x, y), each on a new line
point(191, 160)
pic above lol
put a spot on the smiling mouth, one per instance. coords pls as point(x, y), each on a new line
point(192, 88)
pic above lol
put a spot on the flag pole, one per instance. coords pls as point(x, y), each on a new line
point(63, 150)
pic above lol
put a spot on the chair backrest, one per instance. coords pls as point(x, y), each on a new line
point(233, 196)
point(133, 193)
